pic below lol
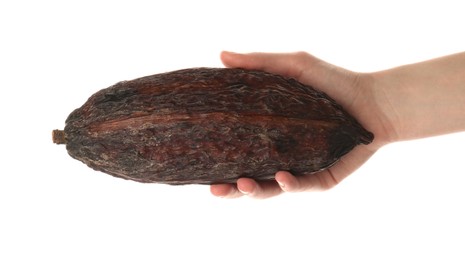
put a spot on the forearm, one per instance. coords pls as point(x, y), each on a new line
point(423, 99)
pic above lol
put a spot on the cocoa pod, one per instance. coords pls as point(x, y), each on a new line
point(209, 125)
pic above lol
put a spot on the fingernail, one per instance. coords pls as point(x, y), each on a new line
point(242, 191)
point(282, 185)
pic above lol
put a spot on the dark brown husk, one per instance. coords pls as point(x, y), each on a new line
point(210, 125)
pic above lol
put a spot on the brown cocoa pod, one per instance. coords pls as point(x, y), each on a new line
point(209, 125)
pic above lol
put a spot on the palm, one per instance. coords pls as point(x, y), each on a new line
point(350, 89)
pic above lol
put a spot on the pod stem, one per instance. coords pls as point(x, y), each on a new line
point(59, 137)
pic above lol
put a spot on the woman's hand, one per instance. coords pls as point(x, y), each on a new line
point(354, 91)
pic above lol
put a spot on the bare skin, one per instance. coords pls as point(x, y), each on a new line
point(408, 102)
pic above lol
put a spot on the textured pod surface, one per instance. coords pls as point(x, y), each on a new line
point(209, 125)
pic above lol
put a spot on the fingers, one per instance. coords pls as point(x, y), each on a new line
point(285, 182)
point(246, 186)
point(288, 182)
point(225, 191)
point(258, 190)
point(291, 183)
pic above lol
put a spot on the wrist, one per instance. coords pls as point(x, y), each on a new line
point(422, 99)
point(384, 117)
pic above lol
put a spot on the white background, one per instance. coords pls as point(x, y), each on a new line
point(407, 202)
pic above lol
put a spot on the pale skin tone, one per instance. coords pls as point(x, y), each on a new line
point(407, 102)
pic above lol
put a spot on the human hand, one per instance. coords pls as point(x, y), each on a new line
point(354, 91)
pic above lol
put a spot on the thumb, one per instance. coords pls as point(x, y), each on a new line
point(301, 66)
point(290, 65)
